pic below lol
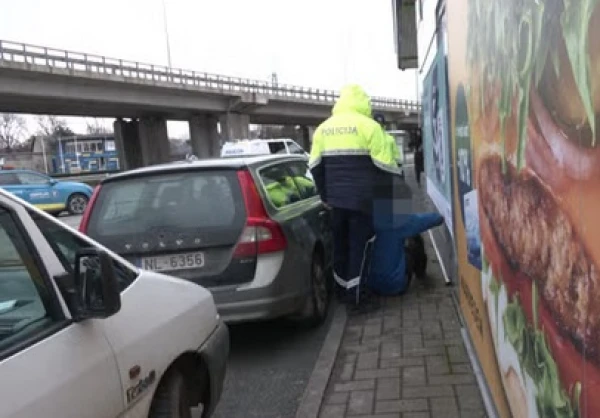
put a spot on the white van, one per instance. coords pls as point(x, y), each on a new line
point(248, 147)
point(83, 333)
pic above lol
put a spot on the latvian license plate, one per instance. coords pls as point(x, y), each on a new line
point(185, 261)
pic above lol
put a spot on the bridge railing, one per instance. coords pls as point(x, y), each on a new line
point(101, 65)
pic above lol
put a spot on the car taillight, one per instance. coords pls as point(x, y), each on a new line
point(261, 234)
point(85, 219)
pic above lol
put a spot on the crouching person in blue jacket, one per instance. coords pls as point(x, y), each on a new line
point(390, 270)
point(394, 223)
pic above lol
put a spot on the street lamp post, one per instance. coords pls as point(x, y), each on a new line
point(166, 33)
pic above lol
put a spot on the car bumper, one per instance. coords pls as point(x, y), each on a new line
point(215, 352)
point(258, 306)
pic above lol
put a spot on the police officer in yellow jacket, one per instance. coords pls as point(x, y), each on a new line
point(350, 157)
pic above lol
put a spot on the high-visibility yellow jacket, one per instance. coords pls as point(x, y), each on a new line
point(395, 149)
point(277, 193)
point(350, 153)
point(288, 190)
point(305, 185)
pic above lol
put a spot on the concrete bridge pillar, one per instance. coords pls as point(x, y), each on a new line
point(127, 143)
point(235, 126)
point(307, 136)
point(204, 137)
point(154, 141)
point(141, 143)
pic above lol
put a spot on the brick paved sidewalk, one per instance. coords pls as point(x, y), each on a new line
point(406, 360)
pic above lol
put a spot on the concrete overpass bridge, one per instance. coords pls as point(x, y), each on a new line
point(43, 80)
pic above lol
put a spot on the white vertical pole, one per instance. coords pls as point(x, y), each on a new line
point(42, 139)
point(347, 52)
point(77, 154)
point(167, 33)
point(62, 158)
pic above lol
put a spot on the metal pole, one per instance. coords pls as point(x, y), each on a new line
point(62, 158)
point(77, 154)
point(347, 54)
point(44, 153)
point(167, 33)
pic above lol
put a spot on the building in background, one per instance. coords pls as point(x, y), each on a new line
point(85, 153)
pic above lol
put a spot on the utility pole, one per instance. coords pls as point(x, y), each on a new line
point(167, 33)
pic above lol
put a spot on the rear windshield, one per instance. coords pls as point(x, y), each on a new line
point(196, 199)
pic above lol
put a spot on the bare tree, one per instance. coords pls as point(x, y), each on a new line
point(51, 126)
point(96, 127)
point(12, 129)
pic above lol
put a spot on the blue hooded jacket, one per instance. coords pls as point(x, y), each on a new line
point(387, 274)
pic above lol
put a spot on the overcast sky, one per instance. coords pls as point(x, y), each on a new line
point(317, 43)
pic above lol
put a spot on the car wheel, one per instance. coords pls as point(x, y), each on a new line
point(318, 299)
point(77, 203)
point(171, 398)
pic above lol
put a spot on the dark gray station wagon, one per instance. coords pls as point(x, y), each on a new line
point(252, 230)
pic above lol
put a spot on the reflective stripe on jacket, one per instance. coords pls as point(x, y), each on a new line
point(350, 153)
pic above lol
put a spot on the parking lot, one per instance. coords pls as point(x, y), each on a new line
point(269, 366)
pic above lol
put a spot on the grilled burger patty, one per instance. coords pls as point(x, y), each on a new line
point(537, 239)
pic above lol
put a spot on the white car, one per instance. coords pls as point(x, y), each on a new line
point(83, 333)
point(253, 147)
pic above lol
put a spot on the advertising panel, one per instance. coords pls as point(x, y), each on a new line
point(524, 81)
point(436, 138)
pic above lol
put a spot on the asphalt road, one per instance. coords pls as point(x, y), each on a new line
point(269, 366)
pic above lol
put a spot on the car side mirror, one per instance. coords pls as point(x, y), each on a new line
point(95, 291)
point(52, 182)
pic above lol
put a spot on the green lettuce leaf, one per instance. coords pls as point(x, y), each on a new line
point(536, 361)
point(575, 22)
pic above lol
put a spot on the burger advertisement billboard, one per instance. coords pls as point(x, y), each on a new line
point(524, 81)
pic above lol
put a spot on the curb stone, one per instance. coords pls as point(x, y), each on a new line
point(312, 399)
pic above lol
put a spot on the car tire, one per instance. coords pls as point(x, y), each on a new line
point(317, 305)
point(76, 203)
point(171, 398)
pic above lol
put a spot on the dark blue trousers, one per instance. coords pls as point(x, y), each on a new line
point(352, 230)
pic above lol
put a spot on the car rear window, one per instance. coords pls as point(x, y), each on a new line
point(194, 199)
point(277, 148)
